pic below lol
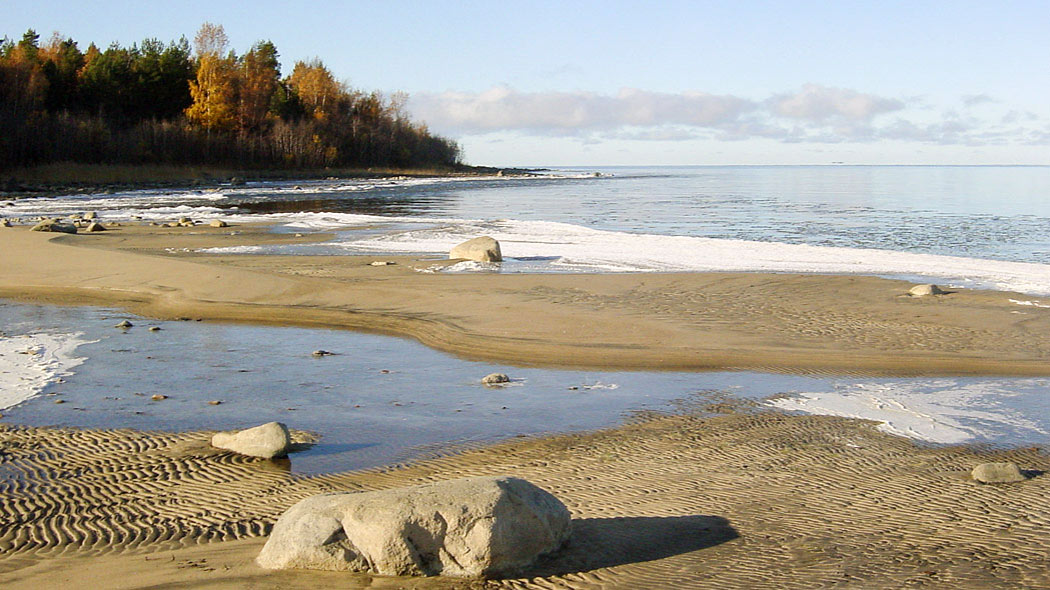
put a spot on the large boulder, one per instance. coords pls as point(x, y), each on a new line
point(997, 473)
point(54, 225)
point(266, 441)
point(478, 526)
point(483, 249)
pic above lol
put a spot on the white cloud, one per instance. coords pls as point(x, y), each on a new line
point(502, 107)
point(819, 103)
point(813, 114)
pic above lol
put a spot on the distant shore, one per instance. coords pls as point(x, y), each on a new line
point(68, 177)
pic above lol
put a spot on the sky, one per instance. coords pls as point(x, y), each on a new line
point(653, 83)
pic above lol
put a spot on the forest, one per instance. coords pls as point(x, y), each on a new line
point(173, 104)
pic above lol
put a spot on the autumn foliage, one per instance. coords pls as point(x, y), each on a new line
point(163, 103)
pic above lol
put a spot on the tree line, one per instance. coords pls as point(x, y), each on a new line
point(168, 103)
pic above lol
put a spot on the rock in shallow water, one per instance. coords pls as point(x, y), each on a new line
point(265, 441)
point(478, 526)
point(495, 379)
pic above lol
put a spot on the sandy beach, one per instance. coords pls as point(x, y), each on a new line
point(685, 321)
point(731, 495)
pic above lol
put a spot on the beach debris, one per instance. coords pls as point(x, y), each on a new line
point(997, 473)
point(124, 324)
point(382, 263)
point(319, 353)
point(483, 249)
point(476, 526)
point(495, 379)
point(924, 290)
point(158, 397)
point(54, 225)
point(95, 226)
point(218, 223)
point(265, 441)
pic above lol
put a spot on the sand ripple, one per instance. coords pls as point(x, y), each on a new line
point(752, 500)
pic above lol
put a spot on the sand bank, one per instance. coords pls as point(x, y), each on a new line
point(772, 322)
point(744, 500)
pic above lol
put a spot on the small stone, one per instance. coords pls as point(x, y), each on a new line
point(90, 215)
point(381, 263)
point(997, 473)
point(218, 223)
point(214, 402)
point(124, 324)
point(60, 401)
point(320, 353)
point(154, 328)
point(158, 397)
point(95, 226)
point(495, 379)
point(925, 290)
point(5, 223)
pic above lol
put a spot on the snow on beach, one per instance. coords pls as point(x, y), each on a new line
point(568, 247)
point(937, 410)
point(31, 362)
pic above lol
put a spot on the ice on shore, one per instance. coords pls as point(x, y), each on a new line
point(569, 247)
point(31, 362)
point(939, 410)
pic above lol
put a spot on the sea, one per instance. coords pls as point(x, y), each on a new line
point(383, 400)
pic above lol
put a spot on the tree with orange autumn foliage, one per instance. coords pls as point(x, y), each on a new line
point(214, 92)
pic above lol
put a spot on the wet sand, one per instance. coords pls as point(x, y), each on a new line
point(748, 499)
point(745, 500)
point(701, 321)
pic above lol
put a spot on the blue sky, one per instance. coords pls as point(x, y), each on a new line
point(593, 83)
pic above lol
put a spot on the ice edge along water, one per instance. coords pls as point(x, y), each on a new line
point(575, 248)
point(939, 411)
point(31, 362)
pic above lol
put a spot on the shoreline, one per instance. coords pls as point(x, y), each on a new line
point(47, 180)
point(800, 324)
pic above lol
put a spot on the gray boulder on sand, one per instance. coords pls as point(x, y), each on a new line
point(997, 473)
point(924, 290)
point(477, 526)
point(53, 225)
point(218, 223)
point(266, 441)
point(483, 249)
point(495, 379)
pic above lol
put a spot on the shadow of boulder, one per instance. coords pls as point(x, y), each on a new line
point(606, 542)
